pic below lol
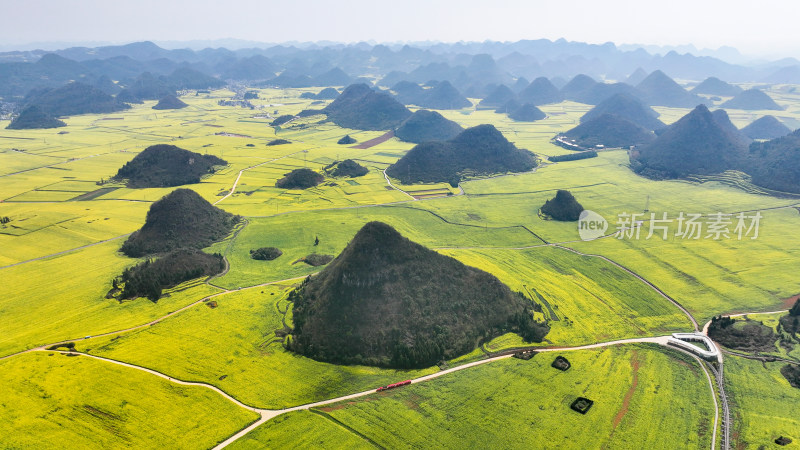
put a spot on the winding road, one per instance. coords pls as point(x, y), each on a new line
point(268, 414)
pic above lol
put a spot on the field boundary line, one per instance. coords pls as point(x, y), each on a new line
point(346, 427)
point(239, 177)
point(52, 255)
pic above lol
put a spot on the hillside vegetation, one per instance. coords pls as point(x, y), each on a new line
point(361, 108)
point(767, 127)
point(695, 144)
point(775, 164)
point(388, 301)
point(346, 168)
point(170, 102)
point(151, 277)
point(33, 117)
point(526, 113)
point(300, 179)
point(627, 107)
point(480, 150)
point(181, 219)
point(165, 165)
point(609, 130)
point(426, 125)
point(563, 207)
point(74, 99)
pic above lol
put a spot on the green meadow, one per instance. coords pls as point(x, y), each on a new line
point(54, 400)
point(638, 392)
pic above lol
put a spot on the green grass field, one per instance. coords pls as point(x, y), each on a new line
point(301, 429)
point(638, 391)
point(234, 347)
point(762, 403)
point(53, 400)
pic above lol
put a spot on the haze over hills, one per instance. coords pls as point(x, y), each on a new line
point(499, 96)
point(627, 107)
point(577, 87)
point(636, 77)
point(767, 127)
point(715, 86)
point(170, 102)
point(465, 65)
point(775, 164)
point(361, 108)
point(388, 301)
point(540, 92)
point(723, 120)
point(73, 99)
point(659, 89)
point(527, 113)
point(752, 99)
point(609, 130)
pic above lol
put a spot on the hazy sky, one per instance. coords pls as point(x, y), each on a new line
point(754, 27)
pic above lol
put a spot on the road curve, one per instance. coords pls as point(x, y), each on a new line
point(238, 177)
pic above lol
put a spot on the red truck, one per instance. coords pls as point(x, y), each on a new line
point(394, 385)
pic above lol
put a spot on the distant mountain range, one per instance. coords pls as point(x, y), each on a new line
point(470, 69)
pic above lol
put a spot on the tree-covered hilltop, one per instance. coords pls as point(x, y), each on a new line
point(170, 102)
point(526, 113)
point(767, 127)
point(426, 125)
point(609, 130)
point(151, 277)
point(627, 107)
point(387, 301)
point(480, 150)
point(791, 321)
point(33, 117)
point(265, 253)
point(346, 140)
point(563, 207)
point(300, 179)
point(752, 99)
point(721, 117)
point(346, 168)
point(181, 219)
point(694, 145)
point(775, 164)
point(327, 94)
point(165, 165)
point(361, 108)
point(73, 99)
